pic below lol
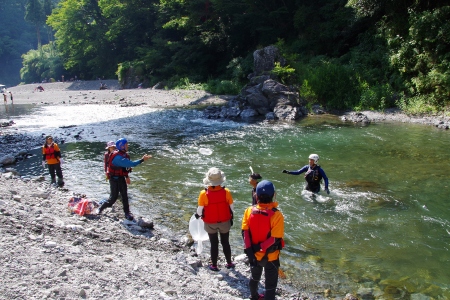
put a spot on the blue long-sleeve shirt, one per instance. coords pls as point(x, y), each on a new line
point(306, 168)
point(123, 162)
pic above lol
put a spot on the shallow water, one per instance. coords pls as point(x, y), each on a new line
point(385, 225)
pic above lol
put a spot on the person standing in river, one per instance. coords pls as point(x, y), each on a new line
point(263, 231)
point(313, 176)
point(215, 206)
point(52, 155)
point(118, 169)
point(253, 179)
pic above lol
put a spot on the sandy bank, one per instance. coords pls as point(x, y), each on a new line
point(87, 92)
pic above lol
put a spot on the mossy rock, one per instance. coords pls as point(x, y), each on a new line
point(432, 290)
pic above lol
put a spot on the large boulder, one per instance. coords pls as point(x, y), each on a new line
point(287, 112)
point(263, 95)
point(272, 88)
point(255, 97)
point(264, 60)
point(7, 160)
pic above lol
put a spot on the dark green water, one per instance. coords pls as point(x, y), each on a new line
point(384, 227)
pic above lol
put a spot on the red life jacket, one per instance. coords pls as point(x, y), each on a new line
point(217, 210)
point(114, 170)
point(106, 160)
point(259, 224)
point(49, 151)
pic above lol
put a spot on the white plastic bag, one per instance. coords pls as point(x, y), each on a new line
point(197, 230)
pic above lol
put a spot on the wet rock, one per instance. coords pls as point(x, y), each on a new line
point(7, 160)
point(356, 117)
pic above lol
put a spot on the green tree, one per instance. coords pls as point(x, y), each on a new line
point(16, 37)
point(81, 39)
point(48, 7)
point(42, 63)
point(34, 14)
point(423, 56)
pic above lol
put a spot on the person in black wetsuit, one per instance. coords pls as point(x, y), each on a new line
point(313, 175)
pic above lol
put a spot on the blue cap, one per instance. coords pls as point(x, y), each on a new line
point(265, 187)
point(120, 144)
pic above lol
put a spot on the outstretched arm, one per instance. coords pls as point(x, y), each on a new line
point(298, 172)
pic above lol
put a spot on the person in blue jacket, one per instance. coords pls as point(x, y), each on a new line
point(118, 169)
point(313, 175)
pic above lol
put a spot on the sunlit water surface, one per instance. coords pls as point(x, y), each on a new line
point(385, 226)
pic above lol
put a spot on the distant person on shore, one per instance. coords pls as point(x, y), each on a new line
point(119, 166)
point(253, 179)
point(215, 207)
point(313, 176)
point(52, 155)
point(263, 231)
point(5, 98)
point(11, 97)
point(110, 147)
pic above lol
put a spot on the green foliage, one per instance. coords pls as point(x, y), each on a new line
point(285, 74)
point(185, 84)
point(40, 64)
point(330, 84)
point(424, 57)
point(418, 105)
point(222, 87)
point(343, 54)
point(17, 36)
point(238, 69)
point(35, 14)
point(377, 97)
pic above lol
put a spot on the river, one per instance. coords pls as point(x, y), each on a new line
point(384, 230)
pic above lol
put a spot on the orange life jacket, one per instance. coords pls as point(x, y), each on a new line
point(114, 170)
point(217, 210)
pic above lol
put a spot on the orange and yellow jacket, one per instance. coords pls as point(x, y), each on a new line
point(51, 153)
point(269, 239)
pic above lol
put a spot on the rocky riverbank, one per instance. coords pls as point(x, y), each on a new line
point(50, 253)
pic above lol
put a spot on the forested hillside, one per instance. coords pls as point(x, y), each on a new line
point(354, 54)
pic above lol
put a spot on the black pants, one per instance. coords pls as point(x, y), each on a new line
point(117, 185)
point(55, 170)
point(224, 240)
point(312, 188)
point(271, 279)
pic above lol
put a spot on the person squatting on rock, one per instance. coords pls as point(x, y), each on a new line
point(52, 155)
point(313, 176)
point(263, 231)
point(215, 206)
point(110, 147)
point(253, 180)
point(118, 169)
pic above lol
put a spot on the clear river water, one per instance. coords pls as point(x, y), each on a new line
point(384, 229)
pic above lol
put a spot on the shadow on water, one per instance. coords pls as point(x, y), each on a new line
point(382, 227)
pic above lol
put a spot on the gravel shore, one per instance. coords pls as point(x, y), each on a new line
point(87, 92)
point(49, 253)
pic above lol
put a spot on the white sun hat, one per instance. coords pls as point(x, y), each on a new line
point(214, 177)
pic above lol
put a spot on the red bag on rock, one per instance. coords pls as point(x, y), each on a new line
point(81, 206)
